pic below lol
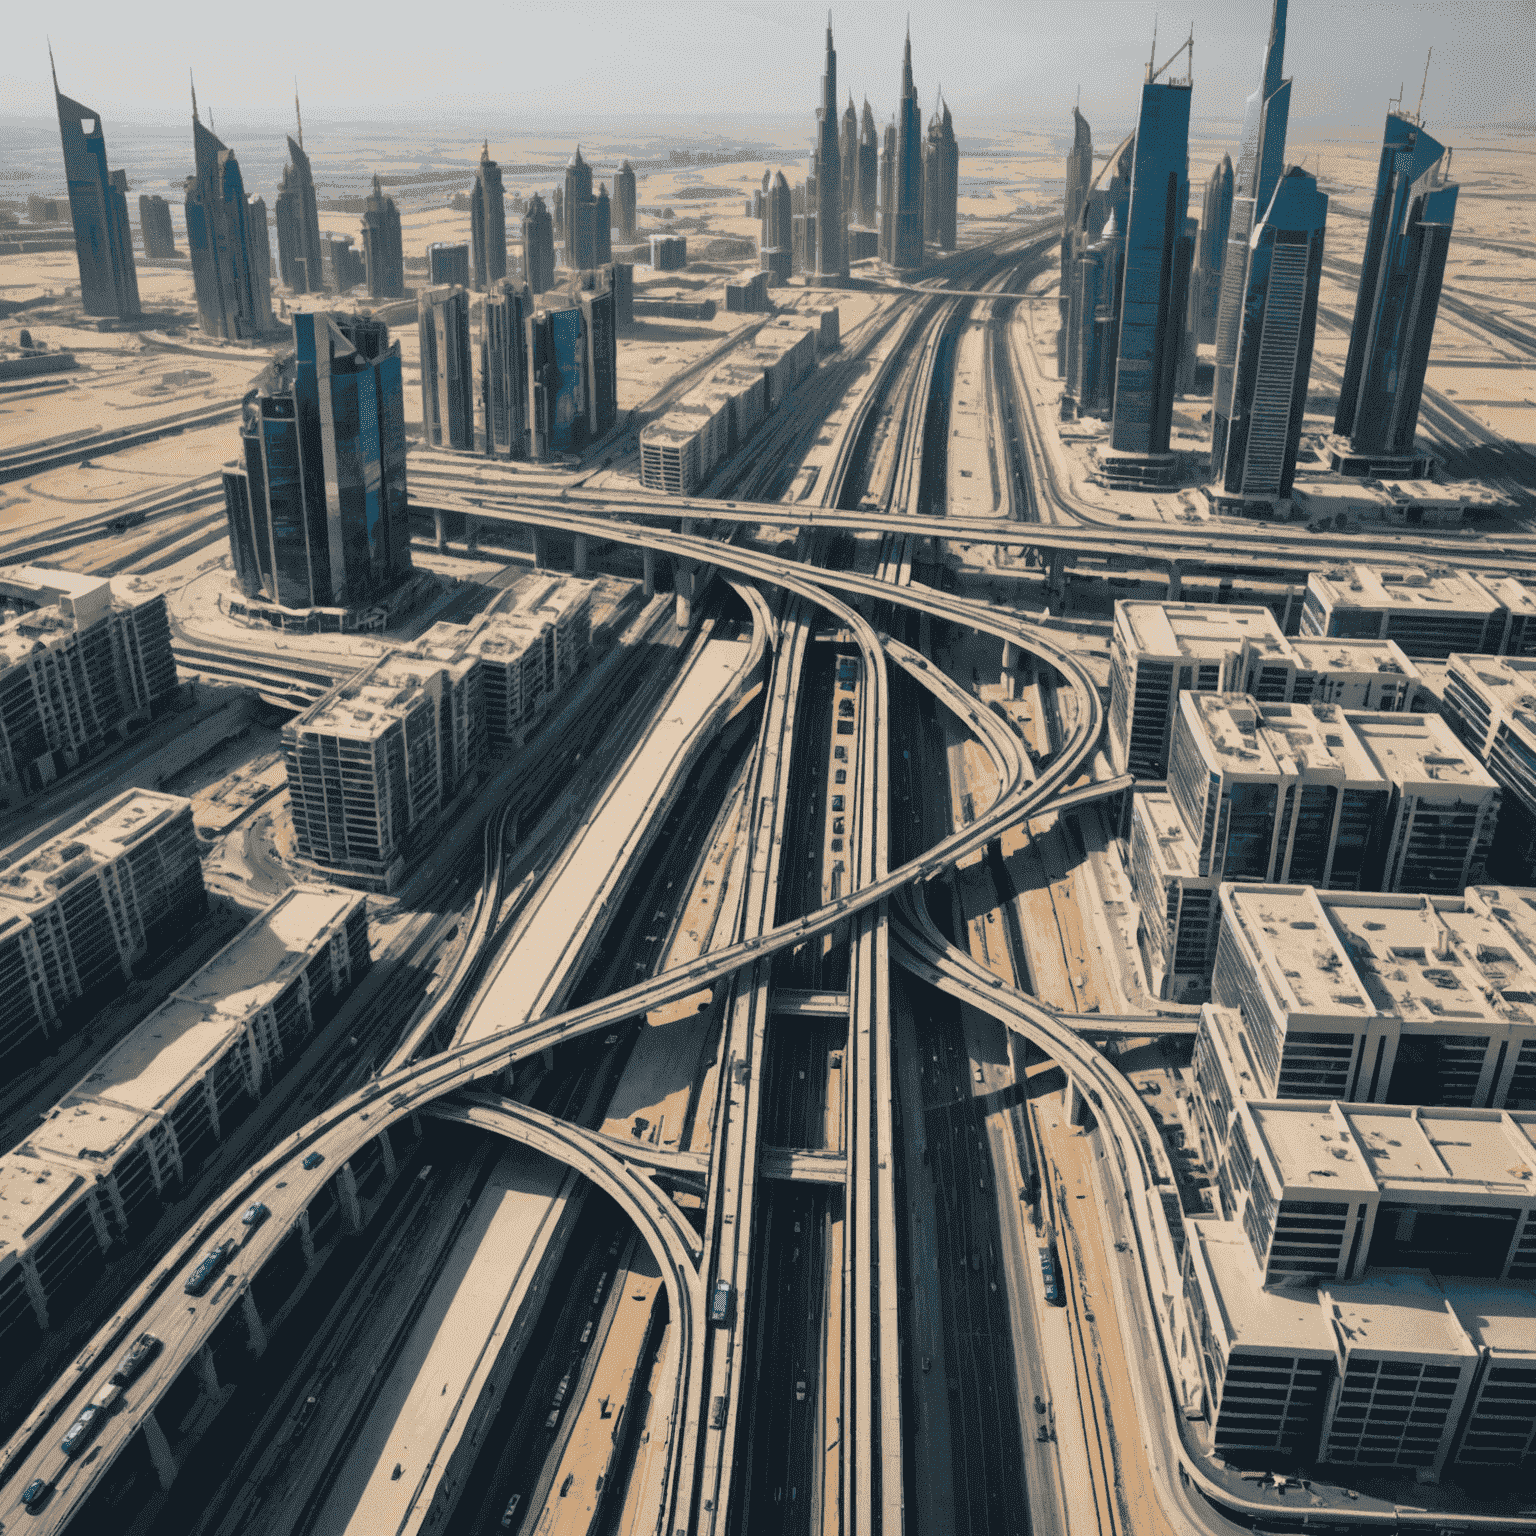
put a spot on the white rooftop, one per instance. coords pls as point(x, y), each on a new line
point(32, 1194)
point(1364, 586)
point(1301, 957)
point(1289, 1320)
point(1324, 655)
point(1418, 751)
point(1197, 629)
point(1396, 1312)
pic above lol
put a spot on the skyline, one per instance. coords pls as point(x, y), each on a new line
point(1098, 46)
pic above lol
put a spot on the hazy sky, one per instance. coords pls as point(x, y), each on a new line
point(513, 66)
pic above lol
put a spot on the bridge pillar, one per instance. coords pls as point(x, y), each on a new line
point(160, 1452)
point(683, 580)
point(256, 1340)
point(203, 1359)
point(306, 1240)
point(35, 1292)
point(351, 1206)
point(1074, 1097)
point(439, 531)
point(548, 1056)
point(471, 535)
point(648, 565)
point(540, 549)
point(579, 557)
point(1011, 655)
point(1056, 581)
point(388, 1153)
point(689, 527)
point(1175, 580)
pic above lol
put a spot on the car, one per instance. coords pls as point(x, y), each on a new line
point(839, 754)
point(837, 824)
point(80, 1433)
point(720, 1302)
point(837, 802)
point(927, 1362)
point(212, 1262)
point(800, 1391)
point(143, 1350)
point(255, 1215)
point(845, 727)
point(313, 1160)
point(978, 1074)
point(305, 1414)
point(841, 776)
point(35, 1492)
point(607, 1040)
point(837, 845)
point(510, 1511)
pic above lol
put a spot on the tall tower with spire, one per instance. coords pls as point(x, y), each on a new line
point(487, 223)
point(866, 196)
point(98, 207)
point(227, 240)
point(907, 233)
point(941, 179)
point(383, 253)
point(1260, 160)
point(297, 214)
point(888, 195)
point(580, 212)
point(831, 246)
point(848, 153)
point(624, 201)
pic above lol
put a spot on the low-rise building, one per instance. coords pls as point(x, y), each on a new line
point(1490, 703)
point(1355, 674)
point(80, 911)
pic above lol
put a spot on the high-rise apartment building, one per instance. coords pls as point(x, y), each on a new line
point(383, 250)
point(1260, 160)
point(538, 246)
point(1395, 308)
point(300, 261)
point(78, 912)
point(504, 369)
point(447, 264)
point(906, 245)
point(1079, 178)
point(572, 352)
point(866, 172)
point(487, 222)
point(373, 763)
point(227, 239)
point(888, 195)
point(1428, 613)
point(1154, 296)
point(778, 234)
point(624, 204)
point(941, 180)
point(80, 658)
point(1256, 435)
point(98, 207)
point(848, 159)
point(1097, 284)
point(447, 372)
point(831, 222)
point(1211, 250)
point(602, 229)
point(1490, 702)
point(155, 226)
point(579, 208)
point(317, 503)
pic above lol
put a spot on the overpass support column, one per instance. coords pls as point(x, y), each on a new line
point(208, 1375)
point(579, 556)
point(1056, 581)
point(471, 535)
point(351, 1206)
point(549, 1058)
point(439, 532)
point(1175, 580)
point(387, 1151)
point(1290, 600)
point(540, 549)
point(683, 578)
point(1074, 1096)
point(306, 1240)
point(648, 565)
point(256, 1340)
point(160, 1452)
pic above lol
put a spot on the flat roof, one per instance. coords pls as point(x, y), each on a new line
point(32, 1193)
point(1165, 827)
point(1324, 655)
point(1197, 629)
point(1402, 588)
point(94, 1132)
point(507, 638)
point(1507, 683)
point(1242, 736)
point(46, 583)
point(1397, 1313)
point(35, 878)
point(1418, 751)
point(1300, 955)
point(1288, 1320)
point(1498, 1315)
point(1310, 1146)
point(365, 706)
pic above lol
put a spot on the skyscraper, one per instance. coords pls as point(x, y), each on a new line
point(1096, 285)
point(580, 215)
point(848, 159)
point(447, 377)
point(504, 369)
point(778, 235)
point(317, 504)
point(1259, 163)
point(383, 253)
point(1156, 286)
point(227, 238)
point(1400, 277)
point(298, 221)
point(98, 205)
point(831, 248)
point(1253, 452)
point(1211, 249)
point(624, 201)
point(907, 230)
point(1079, 178)
point(866, 182)
point(888, 196)
point(538, 246)
point(487, 222)
point(941, 180)
point(602, 229)
point(155, 226)
point(600, 340)
point(447, 263)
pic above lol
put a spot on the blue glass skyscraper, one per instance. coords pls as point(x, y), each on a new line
point(1400, 278)
point(1260, 160)
point(317, 506)
point(1155, 287)
point(1274, 349)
